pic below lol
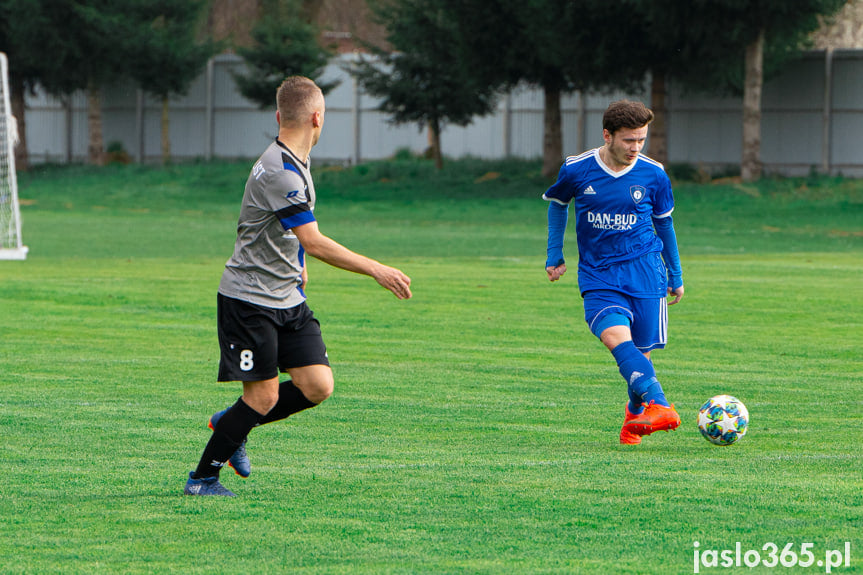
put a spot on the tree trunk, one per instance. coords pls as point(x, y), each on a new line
point(96, 145)
point(750, 165)
point(434, 143)
point(166, 132)
point(22, 159)
point(552, 141)
point(658, 148)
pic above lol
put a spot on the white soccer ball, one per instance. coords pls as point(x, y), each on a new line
point(723, 420)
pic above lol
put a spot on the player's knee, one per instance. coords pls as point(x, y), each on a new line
point(319, 390)
point(315, 382)
point(270, 400)
point(261, 400)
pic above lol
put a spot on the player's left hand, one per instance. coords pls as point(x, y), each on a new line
point(305, 277)
point(677, 294)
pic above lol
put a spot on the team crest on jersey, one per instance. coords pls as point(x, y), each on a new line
point(637, 193)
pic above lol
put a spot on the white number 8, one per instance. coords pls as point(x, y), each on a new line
point(247, 361)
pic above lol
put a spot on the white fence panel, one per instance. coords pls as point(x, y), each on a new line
point(800, 128)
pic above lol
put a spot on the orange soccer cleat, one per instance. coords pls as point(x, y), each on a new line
point(654, 418)
point(626, 436)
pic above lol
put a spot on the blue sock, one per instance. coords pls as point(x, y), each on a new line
point(653, 392)
point(637, 370)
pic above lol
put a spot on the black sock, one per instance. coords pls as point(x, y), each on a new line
point(230, 431)
point(291, 400)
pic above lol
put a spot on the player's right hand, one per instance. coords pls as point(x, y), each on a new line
point(394, 280)
point(555, 272)
point(676, 294)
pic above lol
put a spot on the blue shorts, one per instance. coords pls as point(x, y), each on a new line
point(647, 318)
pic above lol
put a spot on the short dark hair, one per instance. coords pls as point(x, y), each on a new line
point(626, 114)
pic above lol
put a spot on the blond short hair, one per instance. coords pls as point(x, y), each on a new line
point(297, 98)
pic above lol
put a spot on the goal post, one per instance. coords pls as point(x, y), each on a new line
point(11, 247)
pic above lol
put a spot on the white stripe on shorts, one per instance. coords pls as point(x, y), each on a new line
point(663, 321)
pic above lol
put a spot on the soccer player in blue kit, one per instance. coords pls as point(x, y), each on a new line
point(628, 265)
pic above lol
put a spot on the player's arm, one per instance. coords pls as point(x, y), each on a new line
point(664, 227)
point(558, 197)
point(333, 253)
point(558, 215)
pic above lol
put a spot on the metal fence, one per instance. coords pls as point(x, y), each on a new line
point(811, 117)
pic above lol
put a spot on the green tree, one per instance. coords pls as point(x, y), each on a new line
point(284, 45)
point(779, 30)
point(560, 46)
point(30, 30)
point(426, 76)
point(755, 40)
point(594, 45)
point(23, 66)
point(72, 45)
point(90, 38)
point(89, 42)
point(167, 54)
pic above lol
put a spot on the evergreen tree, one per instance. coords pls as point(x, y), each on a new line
point(285, 44)
point(167, 55)
point(726, 46)
point(426, 77)
point(558, 45)
point(50, 43)
point(778, 31)
point(595, 45)
point(16, 37)
point(71, 45)
point(89, 38)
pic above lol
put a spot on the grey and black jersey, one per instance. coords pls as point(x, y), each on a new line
point(267, 263)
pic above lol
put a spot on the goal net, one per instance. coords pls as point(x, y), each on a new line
point(11, 247)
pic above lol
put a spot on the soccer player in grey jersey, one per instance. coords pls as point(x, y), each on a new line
point(264, 324)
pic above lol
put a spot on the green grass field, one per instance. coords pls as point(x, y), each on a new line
point(473, 428)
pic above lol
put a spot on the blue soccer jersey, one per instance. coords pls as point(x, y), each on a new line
point(617, 246)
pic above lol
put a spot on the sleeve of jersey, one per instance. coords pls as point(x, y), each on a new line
point(562, 191)
point(558, 214)
point(294, 209)
point(559, 195)
point(663, 202)
point(665, 230)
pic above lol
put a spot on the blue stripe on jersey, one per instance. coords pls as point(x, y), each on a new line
point(291, 167)
point(294, 216)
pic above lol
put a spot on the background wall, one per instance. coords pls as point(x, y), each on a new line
point(812, 116)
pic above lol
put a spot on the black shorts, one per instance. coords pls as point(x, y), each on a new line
point(258, 342)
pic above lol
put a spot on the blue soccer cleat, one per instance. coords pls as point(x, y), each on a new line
point(239, 461)
point(206, 486)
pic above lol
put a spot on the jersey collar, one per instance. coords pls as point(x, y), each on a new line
point(611, 172)
point(293, 155)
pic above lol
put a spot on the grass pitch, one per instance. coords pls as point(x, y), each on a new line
point(473, 428)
